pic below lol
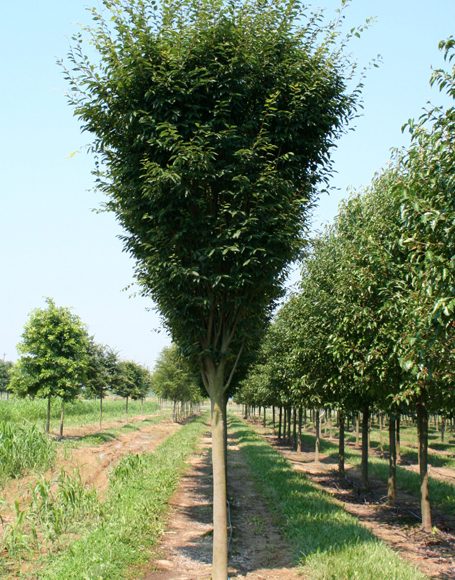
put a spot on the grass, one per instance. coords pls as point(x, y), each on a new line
point(409, 447)
point(442, 494)
point(59, 509)
point(81, 412)
point(23, 448)
point(133, 513)
point(329, 543)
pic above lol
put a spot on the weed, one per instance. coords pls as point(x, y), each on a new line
point(23, 447)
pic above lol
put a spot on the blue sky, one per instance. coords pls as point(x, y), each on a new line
point(51, 241)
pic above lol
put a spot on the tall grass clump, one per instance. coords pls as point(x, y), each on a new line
point(329, 543)
point(59, 510)
point(22, 448)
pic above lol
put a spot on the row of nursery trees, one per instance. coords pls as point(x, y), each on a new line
point(371, 328)
point(60, 360)
point(175, 379)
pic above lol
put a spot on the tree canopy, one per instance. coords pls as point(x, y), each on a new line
point(213, 123)
point(53, 353)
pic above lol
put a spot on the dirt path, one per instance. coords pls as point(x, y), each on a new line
point(257, 550)
point(92, 462)
point(397, 526)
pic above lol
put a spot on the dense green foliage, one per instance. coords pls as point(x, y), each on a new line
point(213, 122)
point(373, 324)
point(174, 379)
point(131, 380)
point(53, 355)
point(5, 375)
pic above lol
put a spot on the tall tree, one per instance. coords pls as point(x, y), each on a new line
point(212, 122)
point(53, 357)
point(427, 185)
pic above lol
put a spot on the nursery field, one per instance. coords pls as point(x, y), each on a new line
point(134, 498)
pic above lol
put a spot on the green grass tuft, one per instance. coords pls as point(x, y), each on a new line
point(23, 448)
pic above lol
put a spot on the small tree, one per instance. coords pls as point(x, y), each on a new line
point(5, 375)
point(53, 358)
point(131, 381)
point(101, 372)
point(213, 121)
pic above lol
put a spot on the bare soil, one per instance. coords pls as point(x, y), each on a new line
point(398, 525)
point(257, 550)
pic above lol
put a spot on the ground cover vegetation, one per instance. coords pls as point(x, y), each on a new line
point(328, 542)
point(77, 535)
point(442, 490)
point(23, 448)
point(372, 328)
point(213, 124)
point(80, 412)
point(66, 530)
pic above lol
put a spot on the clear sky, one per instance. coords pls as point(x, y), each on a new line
point(53, 244)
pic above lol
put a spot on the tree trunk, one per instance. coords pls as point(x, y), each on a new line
point(341, 452)
point(317, 442)
point(299, 434)
point(357, 430)
point(280, 422)
point(294, 429)
point(443, 428)
point(288, 417)
point(273, 416)
point(225, 437)
point(101, 411)
point(365, 431)
point(422, 426)
point(220, 547)
point(48, 415)
point(62, 416)
point(392, 480)
point(398, 437)
point(265, 416)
